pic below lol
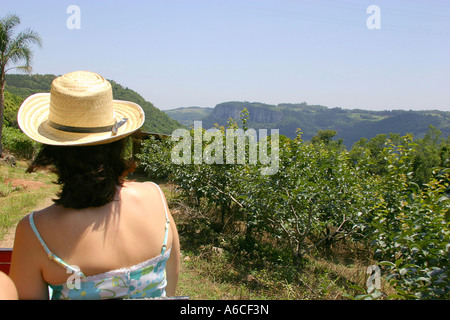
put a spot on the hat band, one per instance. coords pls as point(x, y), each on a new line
point(113, 128)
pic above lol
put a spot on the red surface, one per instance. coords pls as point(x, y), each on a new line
point(5, 259)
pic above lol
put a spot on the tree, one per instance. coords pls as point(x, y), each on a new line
point(13, 50)
point(324, 136)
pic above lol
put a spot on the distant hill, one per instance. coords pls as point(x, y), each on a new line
point(155, 120)
point(187, 116)
point(350, 125)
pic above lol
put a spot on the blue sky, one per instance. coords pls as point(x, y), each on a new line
point(180, 53)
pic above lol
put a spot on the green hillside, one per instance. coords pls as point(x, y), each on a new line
point(155, 120)
point(187, 116)
point(350, 125)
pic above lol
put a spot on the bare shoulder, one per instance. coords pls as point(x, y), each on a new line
point(23, 229)
point(144, 184)
point(142, 188)
point(8, 290)
point(46, 215)
point(25, 237)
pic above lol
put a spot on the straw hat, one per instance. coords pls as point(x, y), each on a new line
point(79, 110)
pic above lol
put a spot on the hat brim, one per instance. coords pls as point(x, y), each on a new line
point(32, 118)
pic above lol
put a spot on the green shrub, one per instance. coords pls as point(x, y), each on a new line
point(410, 228)
point(18, 143)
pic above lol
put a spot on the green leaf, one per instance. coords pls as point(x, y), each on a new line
point(387, 263)
point(358, 288)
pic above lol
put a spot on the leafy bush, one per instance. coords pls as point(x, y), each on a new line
point(18, 143)
point(12, 104)
point(411, 228)
point(155, 157)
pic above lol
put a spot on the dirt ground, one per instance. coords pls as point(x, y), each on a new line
point(8, 240)
point(26, 184)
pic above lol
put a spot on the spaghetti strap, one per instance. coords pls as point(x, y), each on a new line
point(164, 246)
point(50, 254)
point(38, 236)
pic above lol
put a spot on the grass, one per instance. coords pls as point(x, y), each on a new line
point(213, 275)
point(17, 200)
point(217, 276)
point(365, 117)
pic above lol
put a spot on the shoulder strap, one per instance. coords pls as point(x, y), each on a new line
point(50, 254)
point(38, 236)
point(164, 246)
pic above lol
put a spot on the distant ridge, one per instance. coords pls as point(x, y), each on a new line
point(155, 120)
point(187, 115)
point(350, 125)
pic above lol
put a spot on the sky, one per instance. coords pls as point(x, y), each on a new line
point(181, 53)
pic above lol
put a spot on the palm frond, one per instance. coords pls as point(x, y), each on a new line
point(18, 48)
point(25, 69)
point(7, 25)
point(10, 21)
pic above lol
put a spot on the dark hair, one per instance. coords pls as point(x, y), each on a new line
point(89, 175)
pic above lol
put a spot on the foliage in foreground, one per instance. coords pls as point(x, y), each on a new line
point(322, 194)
